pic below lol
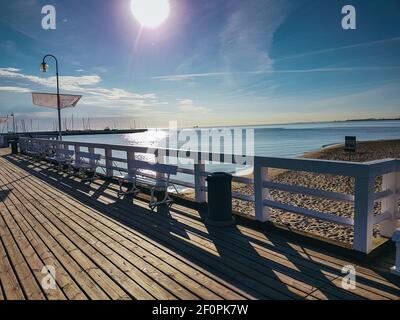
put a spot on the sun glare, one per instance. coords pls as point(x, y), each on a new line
point(150, 13)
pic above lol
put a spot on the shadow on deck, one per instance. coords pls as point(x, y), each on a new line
point(103, 247)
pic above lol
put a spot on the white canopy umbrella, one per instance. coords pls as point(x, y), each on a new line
point(49, 100)
point(3, 119)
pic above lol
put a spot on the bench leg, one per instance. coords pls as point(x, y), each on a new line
point(133, 190)
point(94, 177)
point(61, 169)
point(120, 188)
point(70, 169)
point(71, 172)
point(154, 201)
point(79, 173)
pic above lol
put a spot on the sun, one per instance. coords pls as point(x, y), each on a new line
point(150, 13)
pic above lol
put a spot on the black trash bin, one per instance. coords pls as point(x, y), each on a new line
point(219, 199)
point(14, 146)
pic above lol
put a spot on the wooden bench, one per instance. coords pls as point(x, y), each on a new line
point(38, 151)
point(62, 157)
point(86, 163)
point(34, 150)
point(137, 178)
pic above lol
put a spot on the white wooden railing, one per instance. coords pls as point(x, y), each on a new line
point(363, 199)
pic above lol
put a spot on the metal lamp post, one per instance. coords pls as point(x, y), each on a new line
point(44, 67)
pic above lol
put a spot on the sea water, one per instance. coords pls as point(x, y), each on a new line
point(287, 140)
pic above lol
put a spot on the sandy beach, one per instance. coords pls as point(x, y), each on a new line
point(366, 151)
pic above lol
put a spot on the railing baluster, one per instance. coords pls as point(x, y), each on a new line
point(364, 213)
point(389, 204)
point(109, 162)
point(260, 193)
point(130, 155)
point(199, 181)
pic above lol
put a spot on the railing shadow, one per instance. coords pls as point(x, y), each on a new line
point(301, 259)
point(264, 256)
point(4, 194)
point(227, 253)
point(164, 229)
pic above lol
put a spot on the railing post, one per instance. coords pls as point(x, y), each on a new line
point(130, 155)
point(159, 158)
point(77, 149)
point(397, 208)
point(364, 213)
point(91, 161)
point(160, 177)
point(199, 181)
point(389, 204)
point(109, 162)
point(396, 238)
point(260, 193)
point(398, 197)
point(22, 144)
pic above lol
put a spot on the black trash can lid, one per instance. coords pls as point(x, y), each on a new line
point(219, 175)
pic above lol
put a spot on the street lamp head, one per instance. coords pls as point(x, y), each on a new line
point(44, 67)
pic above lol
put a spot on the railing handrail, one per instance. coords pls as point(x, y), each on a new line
point(335, 167)
point(364, 174)
point(168, 152)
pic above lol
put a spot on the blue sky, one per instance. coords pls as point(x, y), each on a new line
point(213, 62)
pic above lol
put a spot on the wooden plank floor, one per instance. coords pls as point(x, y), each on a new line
point(105, 248)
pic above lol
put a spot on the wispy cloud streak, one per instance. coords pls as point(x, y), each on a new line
point(329, 50)
point(14, 89)
point(181, 77)
point(248, 34)
point(85, 84)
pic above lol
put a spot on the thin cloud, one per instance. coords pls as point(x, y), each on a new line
point(329, 50)
point(187, 105)
point(180, 77)
point(15, 89)
point(249, 32)
point(10, 69)
point(243, 36)
point(67, 82)
point(85, 84)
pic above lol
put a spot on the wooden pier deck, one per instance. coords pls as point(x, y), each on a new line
point(105, 248)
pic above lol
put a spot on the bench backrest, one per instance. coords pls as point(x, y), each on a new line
point(65, 152)
point(156, 167)
point(34, 146)
point(88, 155)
